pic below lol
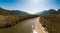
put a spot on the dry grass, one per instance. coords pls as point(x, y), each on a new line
point(51, 22)
point(11, 20)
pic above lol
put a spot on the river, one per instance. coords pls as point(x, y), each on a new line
point(22, 27)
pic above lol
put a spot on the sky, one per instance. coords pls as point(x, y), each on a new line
point(30, 6)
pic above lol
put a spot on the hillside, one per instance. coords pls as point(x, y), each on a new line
point(51, 22)
point(11, 12)
point(50, 11)
point(10, 18)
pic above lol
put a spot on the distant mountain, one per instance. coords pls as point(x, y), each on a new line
point(51, 11)
point(11, 12)
point(44, 12)
point(58, 11)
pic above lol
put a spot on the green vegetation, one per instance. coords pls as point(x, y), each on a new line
point(51, 22)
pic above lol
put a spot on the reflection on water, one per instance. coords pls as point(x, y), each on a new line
point(22, 27)
point(34, 31)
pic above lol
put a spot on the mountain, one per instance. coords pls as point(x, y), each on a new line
point(17, 12)
point(51, 11)
point(58, 11)
point(44, 12)
point(11, 12)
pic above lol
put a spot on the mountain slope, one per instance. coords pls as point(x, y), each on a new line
point(51, 11)
point(11, 12)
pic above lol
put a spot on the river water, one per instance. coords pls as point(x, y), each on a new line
point(22, 27)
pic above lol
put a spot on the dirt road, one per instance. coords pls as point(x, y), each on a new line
point(38, 27)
